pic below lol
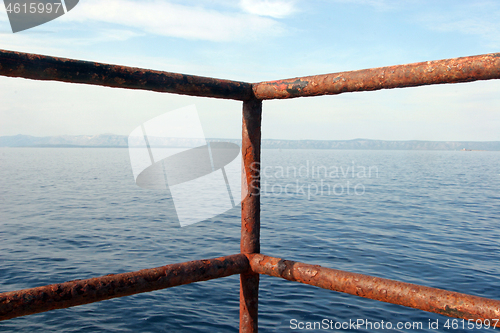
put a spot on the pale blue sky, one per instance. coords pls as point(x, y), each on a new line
point(256, 41)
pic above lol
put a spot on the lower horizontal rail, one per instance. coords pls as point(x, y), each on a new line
point(440, 301)
point(64, 295)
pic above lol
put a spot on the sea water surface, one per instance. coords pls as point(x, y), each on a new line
point(425, 217)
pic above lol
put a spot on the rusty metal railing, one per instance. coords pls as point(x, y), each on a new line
point(249, 263)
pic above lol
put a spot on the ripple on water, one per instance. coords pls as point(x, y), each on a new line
point(425, 217)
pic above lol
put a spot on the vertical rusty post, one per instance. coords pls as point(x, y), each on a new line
point(250, 212)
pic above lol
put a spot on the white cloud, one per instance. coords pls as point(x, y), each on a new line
point(108, 35)
point(477, 19)
point(272, 8)
point(31, 43)
point(176, 20)
point(488, 31)
point(382, 5)
point(50, 43)
point(3, 14)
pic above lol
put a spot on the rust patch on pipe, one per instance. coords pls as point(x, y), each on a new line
point(63, 295)
point(40, 67)
point(465, 69)
point(250, 212)
point(448, 303)
point(250, 206)
point(249, 302)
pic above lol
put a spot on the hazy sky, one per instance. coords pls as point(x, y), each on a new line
point(255, 41)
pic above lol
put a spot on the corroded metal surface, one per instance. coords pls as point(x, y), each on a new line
point(250, 212)
point(57, 296)
point(441, 301)
point(250, 206)
point(39, 67)
point(35, 300)
point(249, 302)
point(482, 67)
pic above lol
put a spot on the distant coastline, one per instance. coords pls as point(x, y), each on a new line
point(121, 141)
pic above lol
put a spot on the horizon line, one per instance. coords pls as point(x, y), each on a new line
point(219, 138)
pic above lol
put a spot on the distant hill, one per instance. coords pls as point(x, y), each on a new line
point(102, 140)
point(121, 141)
point(366, 144)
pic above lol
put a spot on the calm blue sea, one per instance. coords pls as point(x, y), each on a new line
point(426, 217)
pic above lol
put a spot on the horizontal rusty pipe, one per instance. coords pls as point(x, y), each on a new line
point(39, 67)
point(481, 67)
point(57, 296)
point(440, 301)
